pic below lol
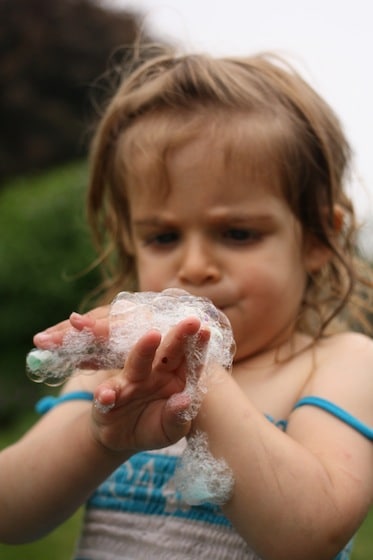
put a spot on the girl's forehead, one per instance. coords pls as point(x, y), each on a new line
point(234, 145)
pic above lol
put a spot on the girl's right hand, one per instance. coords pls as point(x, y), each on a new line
point(143, 406)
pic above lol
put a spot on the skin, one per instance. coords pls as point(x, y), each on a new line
point(219, 234)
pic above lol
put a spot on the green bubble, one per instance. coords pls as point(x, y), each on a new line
point(36, 359)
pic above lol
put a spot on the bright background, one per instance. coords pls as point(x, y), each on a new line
point(329, 41)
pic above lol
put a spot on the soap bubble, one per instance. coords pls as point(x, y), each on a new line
point(55, 365)
point(132, 314)
point(200, 477)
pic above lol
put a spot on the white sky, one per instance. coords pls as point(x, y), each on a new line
point(329, 41)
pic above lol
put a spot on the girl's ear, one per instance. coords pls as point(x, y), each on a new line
point(316, 253)
point(338, 220)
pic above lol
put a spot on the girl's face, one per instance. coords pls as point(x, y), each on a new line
point(219, 234)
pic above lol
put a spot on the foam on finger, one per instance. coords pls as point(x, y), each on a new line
point(131, 316)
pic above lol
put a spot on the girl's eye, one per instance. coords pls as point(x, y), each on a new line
point(166, 238)
point(241, 235)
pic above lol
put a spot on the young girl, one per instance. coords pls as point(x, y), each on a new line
point(224, 178)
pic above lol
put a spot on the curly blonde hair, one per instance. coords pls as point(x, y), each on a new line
point(293, 135)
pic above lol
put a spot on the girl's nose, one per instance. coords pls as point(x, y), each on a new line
point(198, 264)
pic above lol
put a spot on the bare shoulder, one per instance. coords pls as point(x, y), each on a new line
point(346, 339)
point(350, 349)
point(343, 373)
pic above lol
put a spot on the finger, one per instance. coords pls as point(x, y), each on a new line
point(99, 327)
point(200, 343)
point(139, 362)
point(105, 398)
point(171, 353)
point(95, 320)
point(53, 336)
point(81, 322)
point(101, 312)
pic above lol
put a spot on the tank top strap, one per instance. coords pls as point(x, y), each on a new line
point(338, 412)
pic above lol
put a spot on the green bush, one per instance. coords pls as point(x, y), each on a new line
point(44, 248)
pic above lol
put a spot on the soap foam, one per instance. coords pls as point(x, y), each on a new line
point(131, 316)
point(200, 477)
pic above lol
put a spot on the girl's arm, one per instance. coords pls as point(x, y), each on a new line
point(50, 472)
point(304, 493)
point(53, 469)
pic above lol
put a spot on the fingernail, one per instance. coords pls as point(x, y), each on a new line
point(77, 319)
point(75, 315)
point(80, 320)
point(43, 337)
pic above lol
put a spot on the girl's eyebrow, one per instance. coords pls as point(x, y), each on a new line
point(226, 217)
point(243, 217)
point(238, 214)
point(151, 222)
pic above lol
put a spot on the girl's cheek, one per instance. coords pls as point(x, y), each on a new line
point(150, 282)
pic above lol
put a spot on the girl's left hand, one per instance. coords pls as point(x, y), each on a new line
point(96, 321)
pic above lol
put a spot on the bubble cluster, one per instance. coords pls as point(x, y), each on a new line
point(55, 365)
point(200, 477)
point(131, 316)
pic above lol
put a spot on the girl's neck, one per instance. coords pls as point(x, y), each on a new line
point(276, 354)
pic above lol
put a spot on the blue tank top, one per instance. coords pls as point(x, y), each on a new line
point(144, 484)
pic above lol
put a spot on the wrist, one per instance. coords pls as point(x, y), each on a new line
point(216, 387)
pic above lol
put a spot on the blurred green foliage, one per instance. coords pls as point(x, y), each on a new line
point(45, 248)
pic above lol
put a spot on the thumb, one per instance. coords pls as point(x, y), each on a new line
point(176, 420)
